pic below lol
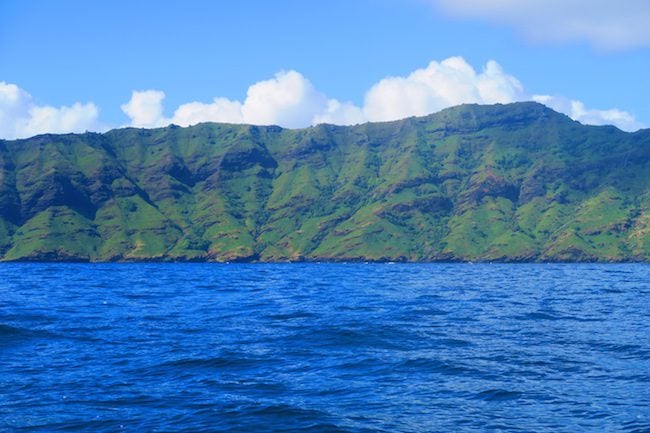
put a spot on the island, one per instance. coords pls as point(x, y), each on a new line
point(515, 182)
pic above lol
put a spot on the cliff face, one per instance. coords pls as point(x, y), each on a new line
point(513, 182)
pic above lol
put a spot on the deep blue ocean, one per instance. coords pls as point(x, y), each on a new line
point(324, 348)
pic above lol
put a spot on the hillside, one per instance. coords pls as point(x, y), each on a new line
point(515, 182)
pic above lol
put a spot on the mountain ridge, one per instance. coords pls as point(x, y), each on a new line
point(512, 182)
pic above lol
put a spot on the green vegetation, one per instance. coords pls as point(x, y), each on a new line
point(515, 182)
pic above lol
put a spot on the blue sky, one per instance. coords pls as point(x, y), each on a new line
point(80, 65)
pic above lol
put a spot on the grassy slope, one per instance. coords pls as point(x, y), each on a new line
point(504, 182)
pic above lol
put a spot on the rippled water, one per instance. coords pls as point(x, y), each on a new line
point(324, 348)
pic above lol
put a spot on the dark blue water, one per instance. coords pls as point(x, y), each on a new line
point(324, 348)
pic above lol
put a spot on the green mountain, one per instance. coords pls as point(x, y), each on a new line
point(515, 182)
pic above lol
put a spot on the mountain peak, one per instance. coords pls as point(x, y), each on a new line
point(478, 116)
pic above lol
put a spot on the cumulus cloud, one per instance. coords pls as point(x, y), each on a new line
point(450, 82)
point(220, 110)
point(145, 108)
point(291, 100)
point(589, 116)
point(288, 99)
point(340, 113)
point(606, 24)
point(21, 117)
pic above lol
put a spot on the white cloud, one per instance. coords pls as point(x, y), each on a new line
point(606, 24)
point(589, 116)
point(450, 82)
point(220, 110)
point(145, 108)
point(340, 113)
point(21, 117)
point(290, 100)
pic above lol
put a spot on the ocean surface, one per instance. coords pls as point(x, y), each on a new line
point(324, 348)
